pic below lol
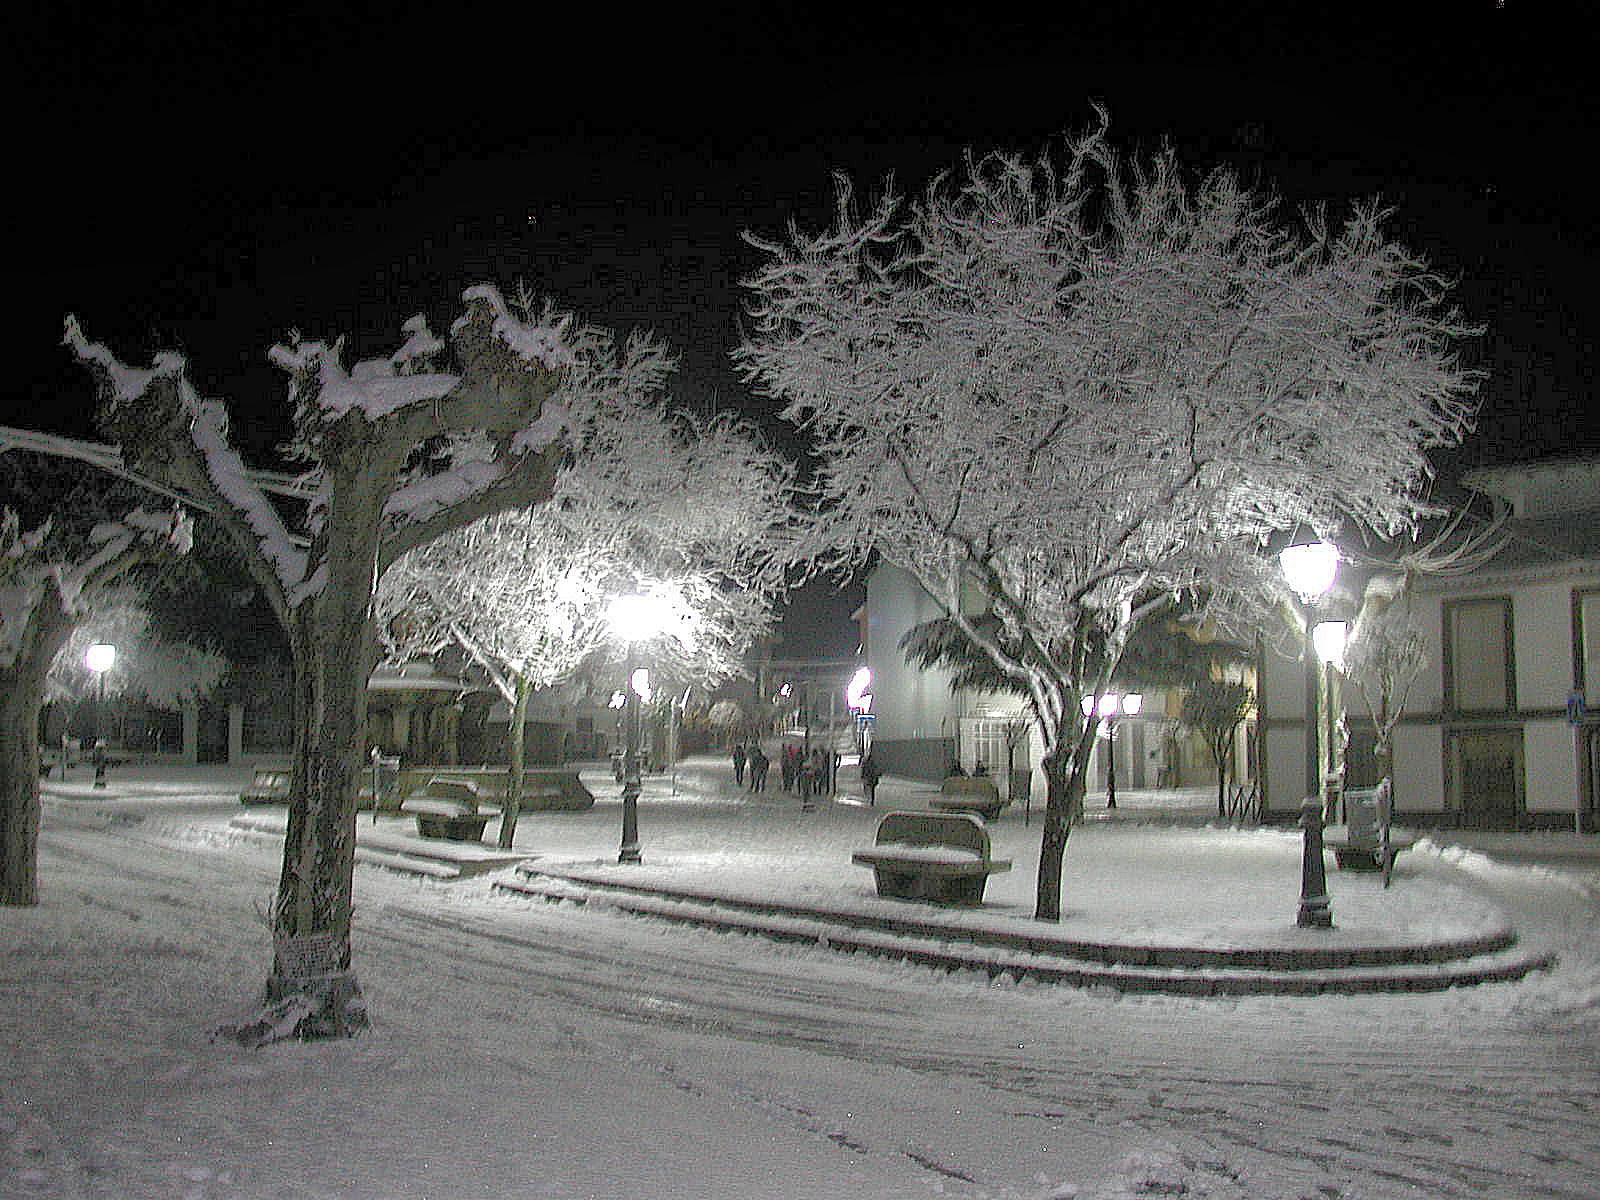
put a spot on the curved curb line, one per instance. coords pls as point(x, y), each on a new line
point(1497, 962)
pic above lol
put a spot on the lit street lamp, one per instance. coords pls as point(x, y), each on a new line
point(1111, 707)
point(634, 619)
point(858, 696)
point(1310, 570)
point(100, 658)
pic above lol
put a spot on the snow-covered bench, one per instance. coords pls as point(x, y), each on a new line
point(271, 786)
point(936, 856)
point(969, 793)
point(449, 809)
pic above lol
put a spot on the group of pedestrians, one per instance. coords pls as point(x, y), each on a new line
point(748, 757)
point(807, 773)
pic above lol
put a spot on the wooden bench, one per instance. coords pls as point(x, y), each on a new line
point(969, 793)
point(449, 809)
point(271, 786)
point(938, 856)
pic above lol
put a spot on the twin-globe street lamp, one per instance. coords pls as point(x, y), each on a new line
point(1110, 707)
point(634, 619)
point(1310, 569)
point(100, 658)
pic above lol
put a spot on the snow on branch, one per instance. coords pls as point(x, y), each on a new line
point(156, 416)
point(34, 568)
point(1080, 384)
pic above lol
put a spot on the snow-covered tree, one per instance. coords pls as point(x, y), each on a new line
point(1072, 392)
point(525, 594)
point(51, 579)
point(398, 451)
point(149, 667)
point(1215, 708)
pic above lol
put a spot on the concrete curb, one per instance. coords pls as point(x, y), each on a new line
point(1135, 969)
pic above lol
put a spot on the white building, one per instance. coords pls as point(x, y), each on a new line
point(1496, 732)
point(921, 722)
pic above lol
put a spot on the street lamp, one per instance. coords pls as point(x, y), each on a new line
point(635, 619)
point(1110, 707)
point(100, 658)
point(1310, 569)
point(858, 696)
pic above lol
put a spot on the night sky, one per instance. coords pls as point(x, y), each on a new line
point(210, 181)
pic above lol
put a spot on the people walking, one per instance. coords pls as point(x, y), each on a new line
point(869, 777)
point(739, 756)
point(758, 768)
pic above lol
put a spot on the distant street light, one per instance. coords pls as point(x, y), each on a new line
point(1110, 707)
point(100, 658)
point(1310, 570)
point(634, 619)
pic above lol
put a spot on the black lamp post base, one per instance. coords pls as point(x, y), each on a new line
point(1316, 910)
point(1315, 913)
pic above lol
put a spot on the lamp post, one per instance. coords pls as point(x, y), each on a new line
point(1310, 569)
point(634, 618)
point(100, 658)
point(1110, 707)
point(858, 696)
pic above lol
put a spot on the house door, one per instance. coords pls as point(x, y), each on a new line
point(1486, 778)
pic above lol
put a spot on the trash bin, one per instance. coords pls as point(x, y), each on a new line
point(385, 783)
point(1362, 829)
point(1361, 848)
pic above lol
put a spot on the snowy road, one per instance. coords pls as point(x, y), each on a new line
point(919, 1083)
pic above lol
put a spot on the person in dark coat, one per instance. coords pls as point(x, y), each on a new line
point(738, 763)
point(758, 769)
point(869, 777)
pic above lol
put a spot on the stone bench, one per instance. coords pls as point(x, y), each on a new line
point(544, 789)
point(449, 809)
point(271, 786)
point(939, 856)
point(969, 793)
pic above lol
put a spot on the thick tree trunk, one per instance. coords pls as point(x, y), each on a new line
point(19, 792)
point(21, 692)
point(1064, 765)
point(312, 991)
point(517, 754)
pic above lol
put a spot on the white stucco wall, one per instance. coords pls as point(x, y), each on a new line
point(1541, 616)
point(906, 702)
point(1419, 768)
point(1550, 766)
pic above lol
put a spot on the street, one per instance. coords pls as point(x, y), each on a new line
point(905, 1081)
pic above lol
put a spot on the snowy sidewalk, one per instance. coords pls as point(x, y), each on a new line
point(1153, 900)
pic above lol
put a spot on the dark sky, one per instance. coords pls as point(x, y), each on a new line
point(209, 181)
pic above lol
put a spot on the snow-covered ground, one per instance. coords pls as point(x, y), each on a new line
point(527, 1050)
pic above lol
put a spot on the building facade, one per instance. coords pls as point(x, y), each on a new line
point(1501, 729)
point(921, 722)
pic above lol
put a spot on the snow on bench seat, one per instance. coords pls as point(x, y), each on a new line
point(939, 856)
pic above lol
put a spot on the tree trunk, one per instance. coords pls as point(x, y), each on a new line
point(516, 753)
point(1223, 759)
point(19, 791)
point(312, 991)
point(21, 693)
point(1064, 763)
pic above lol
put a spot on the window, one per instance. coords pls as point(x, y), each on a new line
point(1478, 655)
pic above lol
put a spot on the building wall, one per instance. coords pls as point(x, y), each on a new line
point(914, 711)
point(1551, 786)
